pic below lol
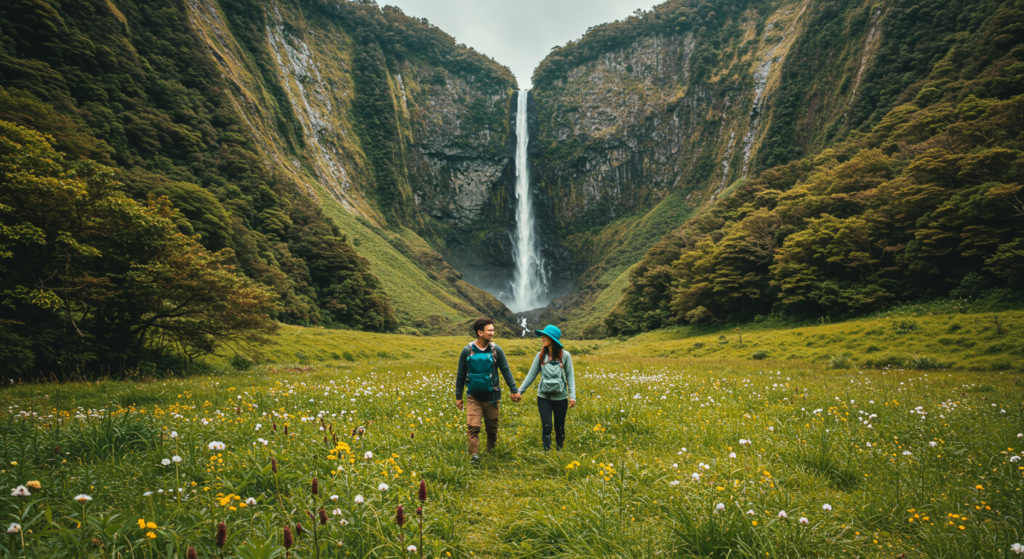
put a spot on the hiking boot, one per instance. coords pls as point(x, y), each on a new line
point(475, 459)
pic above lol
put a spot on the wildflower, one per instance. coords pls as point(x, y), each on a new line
point(250, 502)
point(315, 487)
point(744, 442)
point(287, 538)
point(732, 455)
point(359, 499)
point(216, 445)
point(750, 512)
point(336, 512)
point(826, 507)
point(165, 462)
point(323, 516)
point(674, 482)
point(979, 487)
point(83, 498)
point(782, 514)
point(334, 497)
point(906, 453)
point(175, 458)
point(151, 535)
point(191, 554)
point(383, 487)
point(804, 521)
point(299, 529)
point(34, 484)
point(14, 528)
point(1016, 548)
point(400, 516)
point(695, 476)
point(20, 491)
point(343, 522)
point(222, 534)
point(273, 464)
point(933, 444)
point(423, 491)
point(720, 506)
point(174, 434)
point(1014, 458)
point(147, 494)
point(411, 549)
point(368, 455)
point(771, 429)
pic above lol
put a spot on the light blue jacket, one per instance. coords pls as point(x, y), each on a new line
point(570, 378)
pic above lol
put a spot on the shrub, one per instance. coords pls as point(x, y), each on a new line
point(904, 326)
point(759, 354)
point(841, 361)
point(925, 363)
point(240, 363)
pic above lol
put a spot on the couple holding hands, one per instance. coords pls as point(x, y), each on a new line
point(479, 365)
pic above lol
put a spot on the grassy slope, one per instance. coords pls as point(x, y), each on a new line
point(907, 337)
point(921, 337)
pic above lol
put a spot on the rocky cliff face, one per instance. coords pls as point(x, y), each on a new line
point(646, 121)
point(403, 141)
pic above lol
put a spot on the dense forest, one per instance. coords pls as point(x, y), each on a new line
point(926, 203)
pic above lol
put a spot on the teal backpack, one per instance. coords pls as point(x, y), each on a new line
point(479, 366)
point(553, 377)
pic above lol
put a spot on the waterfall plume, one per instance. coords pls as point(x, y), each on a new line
point(529, 283)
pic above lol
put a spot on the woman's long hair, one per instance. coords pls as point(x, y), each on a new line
point(555, 355)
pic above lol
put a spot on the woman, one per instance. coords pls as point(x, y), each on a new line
point(556, 391)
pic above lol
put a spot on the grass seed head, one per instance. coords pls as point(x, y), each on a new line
point(400, 516)
point(287, 537)
point(222, 534)
point(423, 490)
point(191, 554)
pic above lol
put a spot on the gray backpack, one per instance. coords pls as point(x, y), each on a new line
point(553, 378)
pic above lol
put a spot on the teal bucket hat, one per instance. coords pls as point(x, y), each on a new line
point(552, 332)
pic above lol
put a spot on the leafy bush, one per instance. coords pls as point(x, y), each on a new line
point(840, 361)
point(760, 354)
point(925, 363)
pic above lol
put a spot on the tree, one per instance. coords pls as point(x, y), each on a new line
point(93, 281)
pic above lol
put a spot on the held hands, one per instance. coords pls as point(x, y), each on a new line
point(516, 397)
point(458, 404)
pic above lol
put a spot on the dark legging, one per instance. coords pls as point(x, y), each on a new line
point(547, 408)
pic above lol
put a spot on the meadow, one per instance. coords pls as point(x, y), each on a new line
point(674, 450)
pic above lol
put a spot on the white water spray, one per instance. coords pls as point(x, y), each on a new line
point(529, 283)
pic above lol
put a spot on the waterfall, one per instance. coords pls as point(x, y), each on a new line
point(529, 284)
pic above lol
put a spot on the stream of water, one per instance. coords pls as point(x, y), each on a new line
point(529, 283)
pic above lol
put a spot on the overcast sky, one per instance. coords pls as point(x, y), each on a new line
point(518, 34)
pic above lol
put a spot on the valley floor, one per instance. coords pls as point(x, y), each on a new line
point(683, 444)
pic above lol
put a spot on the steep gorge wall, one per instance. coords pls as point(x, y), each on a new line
point(647, 121)
point(412, 147)
point(400, 135)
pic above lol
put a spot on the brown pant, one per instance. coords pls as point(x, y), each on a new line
point(475, 410)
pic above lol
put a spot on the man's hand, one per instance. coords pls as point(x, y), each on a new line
point(458, 404)
point(516, 397)
point(572, 403)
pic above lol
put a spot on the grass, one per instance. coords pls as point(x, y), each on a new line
point(917, 462)
point(922, 338)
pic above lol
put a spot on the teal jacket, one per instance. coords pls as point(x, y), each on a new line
point(570, 378)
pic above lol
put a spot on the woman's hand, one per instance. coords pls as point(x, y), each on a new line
point(572, 403)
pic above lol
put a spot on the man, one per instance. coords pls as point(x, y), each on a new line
point(478, 374)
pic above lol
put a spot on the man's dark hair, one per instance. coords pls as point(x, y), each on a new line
point(479, 324)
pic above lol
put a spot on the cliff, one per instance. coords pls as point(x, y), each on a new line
point(399, 136)
point(648, 121)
